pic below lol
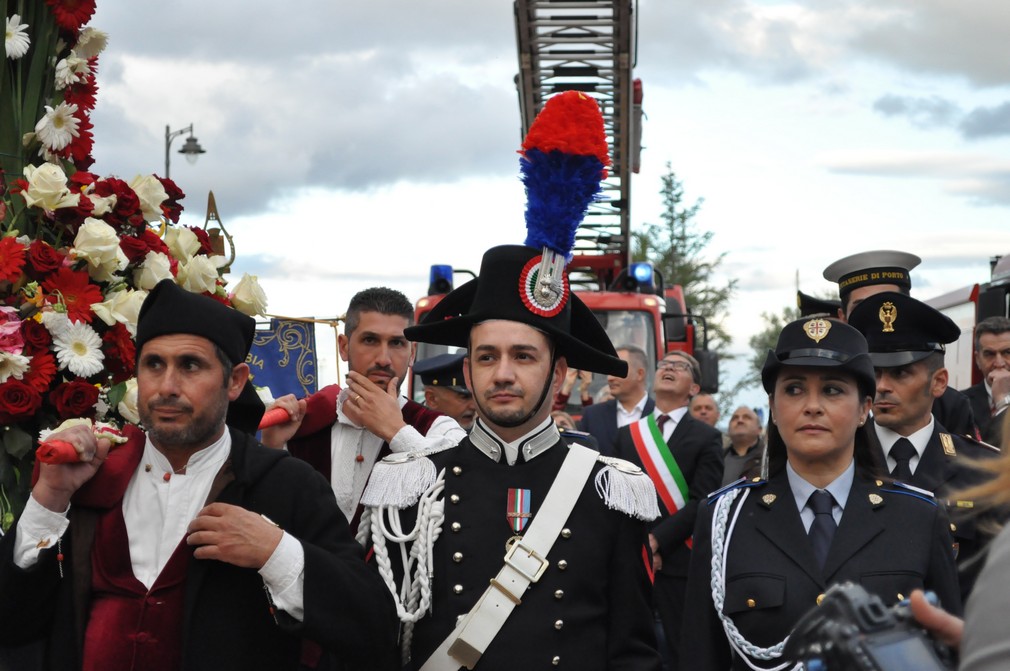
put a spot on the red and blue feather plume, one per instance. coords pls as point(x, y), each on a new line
point(564, 160)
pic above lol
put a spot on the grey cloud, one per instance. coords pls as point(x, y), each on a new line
point(987, 122)
point(922, 112)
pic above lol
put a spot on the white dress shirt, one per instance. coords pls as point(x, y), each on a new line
point(157, 513)
point(348, 475)
point(919, 440)
point(625, 417)
point(675, 416)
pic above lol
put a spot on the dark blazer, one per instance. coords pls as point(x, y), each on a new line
point(955, 412)
point(600, 419)
point(944, 473)
point(697, 448)
point(227, 624)
point(989, 426)
point(889, 541)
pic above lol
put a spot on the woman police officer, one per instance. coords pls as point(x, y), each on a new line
point(766, 551)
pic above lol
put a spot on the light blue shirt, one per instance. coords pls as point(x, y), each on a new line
point(839, 490)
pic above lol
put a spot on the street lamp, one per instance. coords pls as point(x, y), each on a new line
point(191, 149)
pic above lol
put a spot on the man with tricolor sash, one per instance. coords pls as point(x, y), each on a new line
point(681, 455)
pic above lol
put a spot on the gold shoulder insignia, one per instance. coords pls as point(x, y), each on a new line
point(948, 445)
point(876, 499)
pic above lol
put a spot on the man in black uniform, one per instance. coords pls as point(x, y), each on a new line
point(862, 275)
point(556, 528)
point(906, 340)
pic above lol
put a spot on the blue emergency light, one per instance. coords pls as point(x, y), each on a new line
point(439, 280)
point(642, 274)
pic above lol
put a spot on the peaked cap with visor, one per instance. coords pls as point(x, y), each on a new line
point(564, 158)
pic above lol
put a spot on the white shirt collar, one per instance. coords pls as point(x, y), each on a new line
point(919, 439)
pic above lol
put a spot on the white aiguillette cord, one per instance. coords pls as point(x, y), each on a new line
point(525, 563)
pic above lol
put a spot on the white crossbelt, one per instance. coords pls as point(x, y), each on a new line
point(525, 562)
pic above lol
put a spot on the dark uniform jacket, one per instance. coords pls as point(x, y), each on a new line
point(889, 540)
point(944, 472)
point(600, 419)
point(696, 446)
point(590, 610)
point(228, 625)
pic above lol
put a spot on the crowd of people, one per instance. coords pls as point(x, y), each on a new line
point(488, 527)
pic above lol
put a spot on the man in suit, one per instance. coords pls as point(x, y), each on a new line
point(865, 274)
point(685, 467)
point(991, 397)
point(630, 401)
point(906, 340)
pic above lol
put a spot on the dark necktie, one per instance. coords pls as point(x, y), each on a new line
point(823, 528)
point(902, 451)
point(661, 420)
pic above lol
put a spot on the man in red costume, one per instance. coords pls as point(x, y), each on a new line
point(190, 547)
point(342, 432)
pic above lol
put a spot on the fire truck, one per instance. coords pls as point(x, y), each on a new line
point(589, 46)
point(968, 306)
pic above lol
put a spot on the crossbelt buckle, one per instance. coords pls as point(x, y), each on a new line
point(526, 553)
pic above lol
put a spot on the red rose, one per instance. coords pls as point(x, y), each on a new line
point(36, 337)
point(42, 259)
point(155, 243)
point(205, 245)
point(74, 399)
point(134, 248)
point(18, 401)
point(120, 353)
point(171, 207)
point(127, 209)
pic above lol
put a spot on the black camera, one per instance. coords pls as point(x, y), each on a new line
point(852, 630)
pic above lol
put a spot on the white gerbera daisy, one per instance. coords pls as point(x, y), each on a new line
point(79, 348)
point(13, 366)
point(71, 70)
point(91, 42)
point(58, 127)
point(16, 39)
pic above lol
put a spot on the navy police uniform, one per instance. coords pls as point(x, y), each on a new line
point(890, 540)
point(901, 331)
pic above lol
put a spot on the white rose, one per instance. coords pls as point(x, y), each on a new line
point(199, 274)
point(249, 297)
point(128, 406)
point(182, 242)
point(98, 243)
point(47, 188)
point(151, 194)
point(102, 205)
point(155, 268)
point(123, 307)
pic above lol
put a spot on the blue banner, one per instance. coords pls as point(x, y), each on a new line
point(283, 358)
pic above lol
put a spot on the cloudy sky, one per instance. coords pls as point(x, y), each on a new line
point(351, 144)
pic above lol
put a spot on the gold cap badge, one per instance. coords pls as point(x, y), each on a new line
point(888, 315)
point(817, 329)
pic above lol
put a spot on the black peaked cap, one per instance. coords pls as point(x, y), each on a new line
point(820, 342)
point(901, 330)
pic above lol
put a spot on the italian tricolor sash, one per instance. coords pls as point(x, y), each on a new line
point(658, 461)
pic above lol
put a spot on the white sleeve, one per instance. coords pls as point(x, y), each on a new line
point(284, 577)
point(444, 432)
point(38, 528)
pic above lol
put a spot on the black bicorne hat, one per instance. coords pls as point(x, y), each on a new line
point(821, 342)
point(901, 330)
point(504, 290)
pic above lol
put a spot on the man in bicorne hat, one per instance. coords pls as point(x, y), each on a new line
point(556, 529)
point(866, 274)
point(191, 546)
point(906, 340)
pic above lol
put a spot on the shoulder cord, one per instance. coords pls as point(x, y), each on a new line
point(720, 548)
point(413, 598)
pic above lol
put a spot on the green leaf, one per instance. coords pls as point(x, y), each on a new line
point(17, 442)
point(116, 394)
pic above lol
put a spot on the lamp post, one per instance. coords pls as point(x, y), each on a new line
point(191, 149)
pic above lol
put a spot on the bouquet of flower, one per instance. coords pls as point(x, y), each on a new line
point(78, 252)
